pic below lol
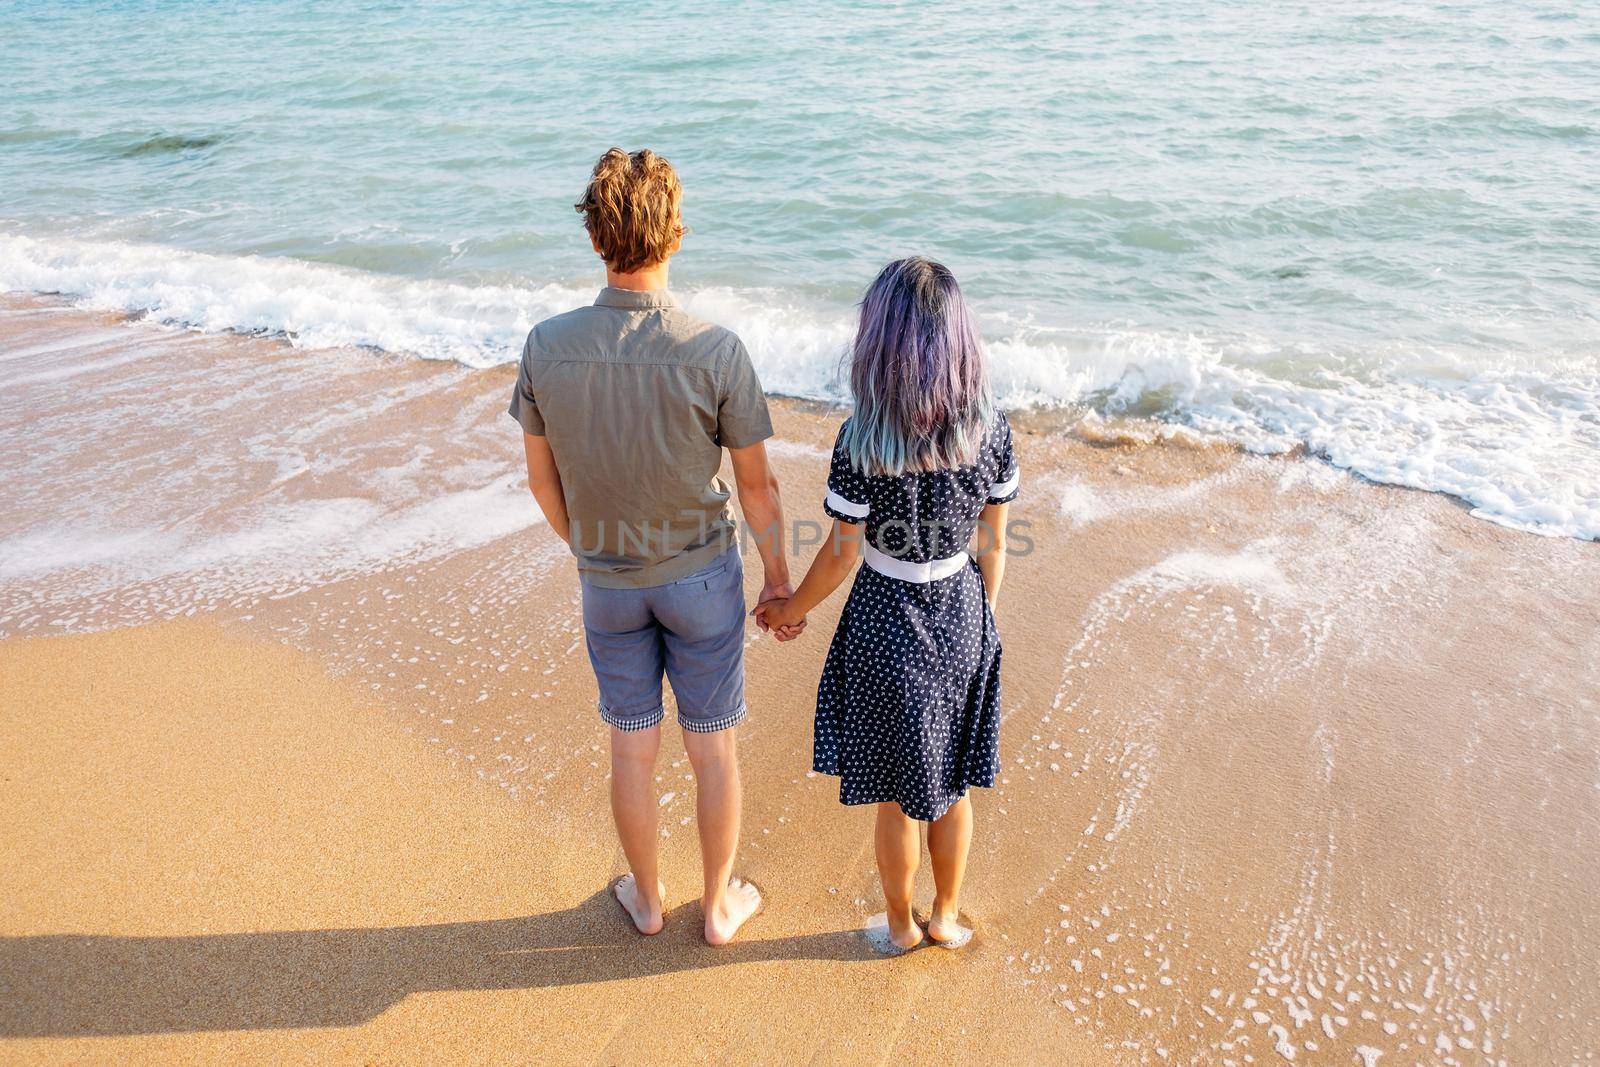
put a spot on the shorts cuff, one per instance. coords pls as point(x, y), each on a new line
point(630, 723)
point(733, 718)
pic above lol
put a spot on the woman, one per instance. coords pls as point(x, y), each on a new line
point(908, 709)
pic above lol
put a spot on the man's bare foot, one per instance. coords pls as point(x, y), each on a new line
point(646, 915)
point(891, 938)
point(739, 903)
point(946, 930)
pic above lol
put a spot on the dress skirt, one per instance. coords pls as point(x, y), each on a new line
point(908, 709)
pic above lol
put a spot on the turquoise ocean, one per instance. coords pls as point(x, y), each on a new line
point(1369, 231)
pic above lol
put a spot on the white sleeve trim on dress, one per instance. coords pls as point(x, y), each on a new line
point(1007, 487)
point(847, 507)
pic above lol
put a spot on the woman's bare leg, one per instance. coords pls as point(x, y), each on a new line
point(899, 849)
point(948, 840)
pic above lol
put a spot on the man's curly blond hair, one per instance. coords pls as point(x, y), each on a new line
point(632, 209)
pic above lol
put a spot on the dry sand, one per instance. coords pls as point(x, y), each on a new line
point(1295, 765)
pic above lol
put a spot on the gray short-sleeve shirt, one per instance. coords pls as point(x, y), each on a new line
point(637, 399)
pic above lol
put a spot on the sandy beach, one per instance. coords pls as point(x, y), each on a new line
point(302, 757)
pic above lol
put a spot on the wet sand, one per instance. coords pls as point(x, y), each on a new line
point(305, 759)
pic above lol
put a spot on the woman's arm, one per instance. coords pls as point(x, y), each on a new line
point(545, 481)
point(833, 563)
point(989, 548)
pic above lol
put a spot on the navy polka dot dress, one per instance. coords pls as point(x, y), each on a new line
point(908, 709)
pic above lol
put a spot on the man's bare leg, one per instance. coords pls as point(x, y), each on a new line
point(726, 901)
point(633, 808)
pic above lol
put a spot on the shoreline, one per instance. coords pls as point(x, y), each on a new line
point(1405, 425)
point(1283, 750)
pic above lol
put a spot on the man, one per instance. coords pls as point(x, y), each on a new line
point(625, 408)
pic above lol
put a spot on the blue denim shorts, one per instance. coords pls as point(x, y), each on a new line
point(692, 629)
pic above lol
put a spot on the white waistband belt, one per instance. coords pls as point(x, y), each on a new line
point(906, 571)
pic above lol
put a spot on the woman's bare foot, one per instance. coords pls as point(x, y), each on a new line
point(741, 901)
point(946, 930)
point(646, 915)
point(891, 938)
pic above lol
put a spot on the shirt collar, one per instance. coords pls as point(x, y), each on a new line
point(612, 297)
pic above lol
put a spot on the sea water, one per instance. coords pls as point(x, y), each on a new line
point(1371, 231)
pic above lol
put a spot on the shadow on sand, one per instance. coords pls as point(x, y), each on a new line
point(80, 985)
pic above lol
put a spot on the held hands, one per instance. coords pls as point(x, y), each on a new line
point(774, 615)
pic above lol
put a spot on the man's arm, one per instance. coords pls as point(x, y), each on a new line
point(763, 513)
point(545, 481)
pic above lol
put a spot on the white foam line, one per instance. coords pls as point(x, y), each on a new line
point(1516, 438)
point(1083, 503)
point(68, 371)
point(77, 342)
point(783, 449)
point(302, 539)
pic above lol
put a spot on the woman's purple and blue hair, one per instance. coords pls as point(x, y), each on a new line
point(918, 374)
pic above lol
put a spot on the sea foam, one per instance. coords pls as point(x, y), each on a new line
point(1517, 441)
